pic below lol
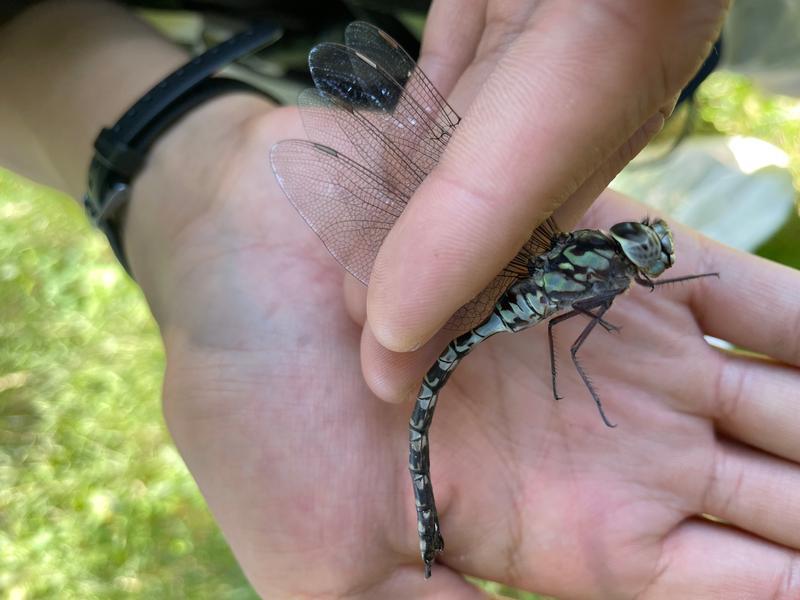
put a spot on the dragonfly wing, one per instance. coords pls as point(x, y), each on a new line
point(350, 208)
point(383, 50)
point(476, 310)
point(381, 143)
point(417, 132)
point(329, 121)
point(378, 127)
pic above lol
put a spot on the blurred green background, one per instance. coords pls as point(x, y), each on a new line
point(94, 500)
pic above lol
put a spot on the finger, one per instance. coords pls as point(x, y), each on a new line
point(396, 376)
point(355, 299)
point(569, 213)
point(755, 492)
point(450, 40)
point(502, 23)
point(477, 208)
point(756, 403)
point(754, 303)
point(589, 191)
point(702, 559)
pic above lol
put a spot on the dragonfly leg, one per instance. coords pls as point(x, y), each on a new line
point(550, 324)
point(574, 352)
point(684, 278)
point(577, 309)
point(610, 327)
point(645, 281)
point(649, 283)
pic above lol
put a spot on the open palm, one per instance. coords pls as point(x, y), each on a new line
point(305, 469)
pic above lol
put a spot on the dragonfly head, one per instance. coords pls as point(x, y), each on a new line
point(648, 245)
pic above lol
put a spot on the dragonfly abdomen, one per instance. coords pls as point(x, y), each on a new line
point(550, 288)
point(430, 538)
point(525, 304)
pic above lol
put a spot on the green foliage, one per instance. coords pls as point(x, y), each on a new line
point(732, 105)
point(94, 500)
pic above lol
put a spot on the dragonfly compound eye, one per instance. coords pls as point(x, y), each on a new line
point(644, 246)
point(664, 234)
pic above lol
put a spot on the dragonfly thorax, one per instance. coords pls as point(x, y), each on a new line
point(647, 245)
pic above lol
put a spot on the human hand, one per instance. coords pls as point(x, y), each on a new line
point(306, 472)
point(556, 97)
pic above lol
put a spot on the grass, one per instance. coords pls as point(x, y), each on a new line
point(94, 500)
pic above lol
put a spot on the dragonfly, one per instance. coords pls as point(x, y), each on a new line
point(377, 127)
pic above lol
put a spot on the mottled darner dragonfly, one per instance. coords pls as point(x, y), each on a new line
point(377, 127)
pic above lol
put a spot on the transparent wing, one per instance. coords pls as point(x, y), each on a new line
point(348, 207)
point(378, 127)
point(418, 135)
point(383, 50)
point(357, 134)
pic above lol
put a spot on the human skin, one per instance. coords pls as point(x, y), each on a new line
point(304, 467)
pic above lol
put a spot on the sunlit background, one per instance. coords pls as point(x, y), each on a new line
point(94, 500)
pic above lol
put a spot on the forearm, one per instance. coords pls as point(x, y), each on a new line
point(76, 67)
point(69, 68)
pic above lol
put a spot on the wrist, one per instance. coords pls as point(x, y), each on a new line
point(174, 219)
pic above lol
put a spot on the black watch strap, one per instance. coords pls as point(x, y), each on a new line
point(120, 150)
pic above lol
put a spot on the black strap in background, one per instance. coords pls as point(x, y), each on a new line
point(121, 150)
point(709, 65)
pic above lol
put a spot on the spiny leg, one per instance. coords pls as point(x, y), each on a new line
point(578, 309)
point(649, 283)
point(683, 278)
point(609, 327)
point(551, 343)
point(574, 352)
